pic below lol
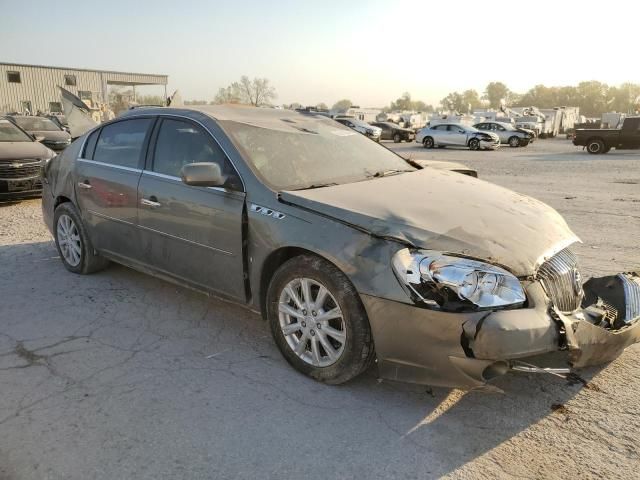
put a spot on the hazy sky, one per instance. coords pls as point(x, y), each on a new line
point(321, 51)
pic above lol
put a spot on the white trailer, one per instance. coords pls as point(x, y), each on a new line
point(365, 114)
point(452, 117)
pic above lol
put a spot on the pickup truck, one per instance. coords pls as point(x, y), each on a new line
point(602, 140)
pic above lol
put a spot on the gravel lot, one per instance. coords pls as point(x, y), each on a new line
point(119, 375)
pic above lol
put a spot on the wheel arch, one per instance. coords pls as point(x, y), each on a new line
point(596, 137)
point(59, 200)
point(274, 260)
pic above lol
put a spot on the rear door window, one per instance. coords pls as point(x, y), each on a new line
point(122, 143)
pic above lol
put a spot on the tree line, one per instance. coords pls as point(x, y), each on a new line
point(593, 98)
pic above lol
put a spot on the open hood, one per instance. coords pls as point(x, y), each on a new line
point(448, 212)
point(77, 113)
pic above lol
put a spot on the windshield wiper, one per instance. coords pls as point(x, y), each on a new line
point(317, 185)
point(385, 173)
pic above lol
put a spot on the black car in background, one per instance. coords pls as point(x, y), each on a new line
point(21, 160)
point(391, 131)
point(601, 140)
point(60, 121)
point(54, 137)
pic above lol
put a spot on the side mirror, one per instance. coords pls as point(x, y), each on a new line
point(204, 174)
point(38, 138)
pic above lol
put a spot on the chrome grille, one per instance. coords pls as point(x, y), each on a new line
point(561, 280)
point(631, 285)
point(19, 169)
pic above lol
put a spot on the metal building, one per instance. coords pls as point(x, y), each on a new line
point(35, 87)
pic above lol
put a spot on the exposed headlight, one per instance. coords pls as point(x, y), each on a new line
point(453, 283)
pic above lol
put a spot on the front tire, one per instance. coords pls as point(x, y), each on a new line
point(397, 138)
point(73, 243)
point(318, 321)
point(595, 146)
point(474, 144)
point(514, 142)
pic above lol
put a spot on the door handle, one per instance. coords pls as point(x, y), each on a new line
point(85, 185)
point(151, 202)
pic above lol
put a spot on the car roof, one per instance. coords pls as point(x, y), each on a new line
point(276, 119)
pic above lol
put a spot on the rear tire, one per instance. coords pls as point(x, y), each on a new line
point(73, 243)
point(595, 146)
point(322, 356)
point(427, 142)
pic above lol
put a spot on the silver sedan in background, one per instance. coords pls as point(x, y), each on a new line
point(456, 135)
point(508, 134)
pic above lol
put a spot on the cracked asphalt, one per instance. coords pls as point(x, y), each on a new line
point(120, 375)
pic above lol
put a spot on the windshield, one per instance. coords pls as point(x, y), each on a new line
point(37, 124)
point(360, 123)
point(312, 154)
point(10, 133)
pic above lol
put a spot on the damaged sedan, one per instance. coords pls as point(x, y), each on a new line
point(353, 254)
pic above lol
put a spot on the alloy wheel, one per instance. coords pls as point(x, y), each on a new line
point(69, 240)
point(312, 322)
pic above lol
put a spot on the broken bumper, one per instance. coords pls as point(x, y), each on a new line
point(489, 144)
point(466, 350)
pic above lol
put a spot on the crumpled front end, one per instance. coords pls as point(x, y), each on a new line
point(592, 323)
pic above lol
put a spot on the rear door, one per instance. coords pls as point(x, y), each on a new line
point(107, 175)
point(387, 131)
point(191, 233)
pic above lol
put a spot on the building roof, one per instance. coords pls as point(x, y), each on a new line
point(115, 72)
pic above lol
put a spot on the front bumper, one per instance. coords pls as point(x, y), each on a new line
point(20, 187)
point(466, 350)
point(489, 144)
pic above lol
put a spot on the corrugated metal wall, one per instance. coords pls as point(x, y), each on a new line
point(39, 84)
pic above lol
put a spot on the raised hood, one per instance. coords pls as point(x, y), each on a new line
point(448, 212)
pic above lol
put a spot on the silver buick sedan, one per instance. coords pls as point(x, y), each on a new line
point(353, 254)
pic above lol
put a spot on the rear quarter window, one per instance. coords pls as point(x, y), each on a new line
point(90, 144)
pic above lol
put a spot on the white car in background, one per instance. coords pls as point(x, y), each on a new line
point(508, 134)
point(361, 127)
point(457, 135)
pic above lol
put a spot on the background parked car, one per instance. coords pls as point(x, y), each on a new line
point(456, 135)
point(53, 136)
point(60, 121)
point(361, 127)
point(391, 131)
point(508, 134)
point(21, 159)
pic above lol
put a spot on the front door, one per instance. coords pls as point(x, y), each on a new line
point(191, 233)
point(457, 136)
point(106, 182)
point(630, 133)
